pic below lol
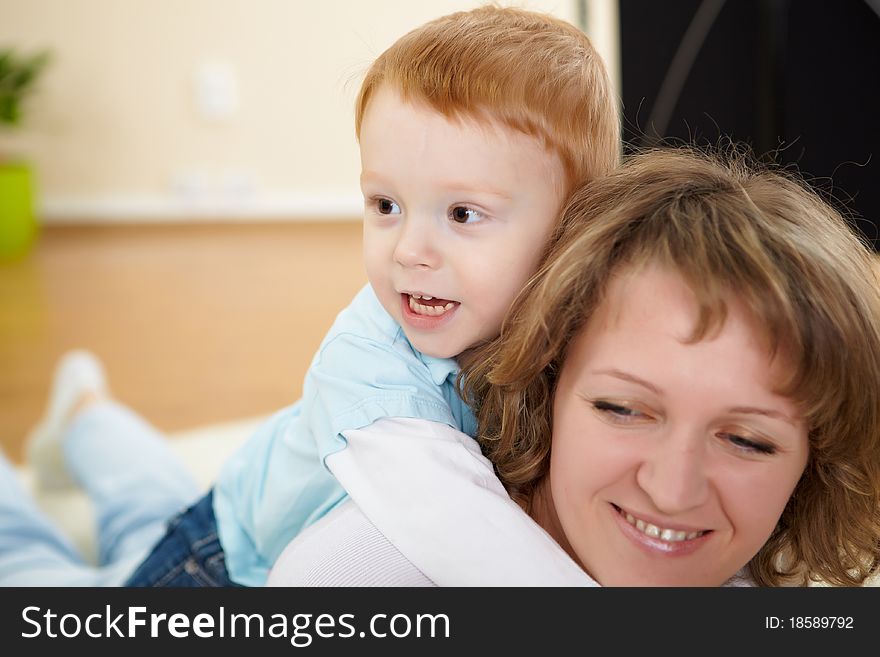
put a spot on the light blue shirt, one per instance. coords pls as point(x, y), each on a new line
point(276, 484)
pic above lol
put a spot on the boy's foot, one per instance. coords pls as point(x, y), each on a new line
point(78, 381)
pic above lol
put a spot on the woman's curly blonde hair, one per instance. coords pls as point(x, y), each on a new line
point(728, 227)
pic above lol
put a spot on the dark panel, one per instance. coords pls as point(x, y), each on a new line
point(798, 80)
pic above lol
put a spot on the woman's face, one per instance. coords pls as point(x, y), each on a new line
point(671, 462)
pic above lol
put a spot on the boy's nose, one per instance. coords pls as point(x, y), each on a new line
point(674, 476)
point(415, 246)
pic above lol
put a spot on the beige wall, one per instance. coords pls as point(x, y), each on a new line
point(162, 109)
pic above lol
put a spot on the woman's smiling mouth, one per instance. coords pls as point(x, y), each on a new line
point(656, 537)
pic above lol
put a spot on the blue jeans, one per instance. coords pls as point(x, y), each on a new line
point(133, 478)
point(189, 554)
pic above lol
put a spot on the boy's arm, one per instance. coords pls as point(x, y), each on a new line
point(427, 488)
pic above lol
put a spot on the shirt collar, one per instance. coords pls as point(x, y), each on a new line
point(440, 368)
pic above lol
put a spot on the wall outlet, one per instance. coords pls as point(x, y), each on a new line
point(216, 90)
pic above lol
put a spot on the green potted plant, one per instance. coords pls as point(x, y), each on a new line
point(18, 75)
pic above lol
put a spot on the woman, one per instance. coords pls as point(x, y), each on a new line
point(686, 394)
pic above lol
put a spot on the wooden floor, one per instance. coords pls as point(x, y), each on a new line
point(195, 324)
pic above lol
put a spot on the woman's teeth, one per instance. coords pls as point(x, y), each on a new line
point(428, 309)
point(668, 535)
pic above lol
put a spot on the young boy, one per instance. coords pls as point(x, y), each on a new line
point(473, 129)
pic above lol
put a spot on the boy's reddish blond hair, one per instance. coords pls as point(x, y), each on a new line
point(529, 71)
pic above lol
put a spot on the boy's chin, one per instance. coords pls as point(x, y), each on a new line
point(436, 346)
point(434, 350)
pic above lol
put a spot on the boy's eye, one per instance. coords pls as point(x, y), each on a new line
point(386, 206)
point(464, 215)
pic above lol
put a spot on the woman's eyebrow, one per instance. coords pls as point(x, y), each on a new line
point(737, 410)
point(632, 378)
point(767, 412)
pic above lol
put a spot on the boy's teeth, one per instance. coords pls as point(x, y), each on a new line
point(429, 311)
point(668, 535)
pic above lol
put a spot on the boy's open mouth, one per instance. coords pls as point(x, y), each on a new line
point(429, 306)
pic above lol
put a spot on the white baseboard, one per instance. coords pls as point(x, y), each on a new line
point(122, 209)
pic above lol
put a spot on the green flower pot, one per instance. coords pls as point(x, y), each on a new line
point(18, 226)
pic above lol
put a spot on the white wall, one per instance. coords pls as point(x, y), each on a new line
point(170, 109)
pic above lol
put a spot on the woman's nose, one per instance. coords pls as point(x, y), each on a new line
point(674, 475)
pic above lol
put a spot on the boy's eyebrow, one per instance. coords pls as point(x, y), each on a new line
point(739, 410)
point(467, 188)
point(369, 176)
point(459, 186)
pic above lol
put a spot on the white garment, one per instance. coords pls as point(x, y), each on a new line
point(344, 549)
point(433, 499)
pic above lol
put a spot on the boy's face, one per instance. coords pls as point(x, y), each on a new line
point(672, 460)
point(456, 215)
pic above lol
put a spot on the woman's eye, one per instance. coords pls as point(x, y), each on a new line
point(386, 206)
point(619, 413)
point(748, 445)
point(464, 215)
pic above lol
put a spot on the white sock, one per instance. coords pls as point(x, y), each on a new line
point(77, 373)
